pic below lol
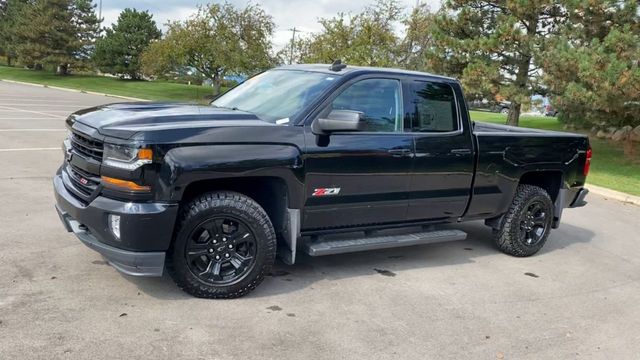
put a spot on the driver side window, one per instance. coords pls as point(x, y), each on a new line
point(379, 100)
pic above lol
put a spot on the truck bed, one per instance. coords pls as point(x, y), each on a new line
point(482, 127)
point(507, 153)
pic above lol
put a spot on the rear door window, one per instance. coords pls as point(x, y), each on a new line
point(431, 107)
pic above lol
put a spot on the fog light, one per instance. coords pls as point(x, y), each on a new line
point(114, 225)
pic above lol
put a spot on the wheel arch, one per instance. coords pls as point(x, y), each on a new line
point(549, 180)
point(271, 193)
point(270, 174)
point(552, 182)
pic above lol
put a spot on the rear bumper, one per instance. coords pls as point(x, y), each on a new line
point(568, 198)
point(145, 228)
point(578, 201)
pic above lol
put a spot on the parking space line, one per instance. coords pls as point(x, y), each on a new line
point(31, 149)
point(31, 99)
point(29, 118)
point(5, 103)
point(28, 111)
point(34, 130)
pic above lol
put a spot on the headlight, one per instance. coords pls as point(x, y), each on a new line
point(125, 157)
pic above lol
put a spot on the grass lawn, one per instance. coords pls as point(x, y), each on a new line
point(610, 167)
point(149, 90)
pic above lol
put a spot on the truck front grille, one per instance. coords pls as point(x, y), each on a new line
point(87, 147)
point(83, 176)
point(83, 181)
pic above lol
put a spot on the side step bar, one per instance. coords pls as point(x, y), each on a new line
point(332, 247)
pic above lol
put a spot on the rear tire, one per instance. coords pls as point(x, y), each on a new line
point(525, 227)
point(223, 247)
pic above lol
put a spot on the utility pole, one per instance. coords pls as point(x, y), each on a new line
point(293, 41)
point(100, 12)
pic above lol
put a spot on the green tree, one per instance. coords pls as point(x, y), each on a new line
point(87, 28)
point(592, 68)
point(367, 38)
point(3, 30)
point(418, 38)
point(119, 51)
point(55, 32)
point(495, 46)
point(218, 40)
point(10, 11)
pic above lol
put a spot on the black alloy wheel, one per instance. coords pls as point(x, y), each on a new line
point(221, 251)
point(533, 223)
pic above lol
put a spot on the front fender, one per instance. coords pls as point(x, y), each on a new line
point(185, 165)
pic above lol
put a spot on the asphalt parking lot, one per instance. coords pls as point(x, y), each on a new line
point(579, 298)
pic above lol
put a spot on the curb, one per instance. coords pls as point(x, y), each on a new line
point(73, 90)
point(612, 194)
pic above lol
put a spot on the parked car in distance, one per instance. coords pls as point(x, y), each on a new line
point(314, 159)
point(501, 107)
point(550, 111)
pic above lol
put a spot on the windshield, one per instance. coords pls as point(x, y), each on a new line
point(276, 95)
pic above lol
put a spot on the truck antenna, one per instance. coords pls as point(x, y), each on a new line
point(337, 65)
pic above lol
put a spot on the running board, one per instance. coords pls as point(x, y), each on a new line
point(332, 247)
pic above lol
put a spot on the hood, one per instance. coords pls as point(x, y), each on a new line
point(123, 120)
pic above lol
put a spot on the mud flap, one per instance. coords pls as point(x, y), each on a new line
point(558, 207)
point(290, 236)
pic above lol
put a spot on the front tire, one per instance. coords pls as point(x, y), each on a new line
point(224, 246)
point(525, 227)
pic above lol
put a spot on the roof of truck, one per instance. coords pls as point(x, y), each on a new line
point(326, 68)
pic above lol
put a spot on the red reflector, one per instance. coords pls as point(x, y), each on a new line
point(587, 163)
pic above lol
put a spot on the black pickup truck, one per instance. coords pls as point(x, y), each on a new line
point(318, 159)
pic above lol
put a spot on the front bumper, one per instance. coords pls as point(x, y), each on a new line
point(146, 229)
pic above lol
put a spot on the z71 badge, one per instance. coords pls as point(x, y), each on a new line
point(325, 191)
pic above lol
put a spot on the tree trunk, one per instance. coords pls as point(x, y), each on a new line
point(217, 84)
point(522, 78)
point(513, 118)
point(63, 69)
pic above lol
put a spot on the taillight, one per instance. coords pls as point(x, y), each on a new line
point(587, 163)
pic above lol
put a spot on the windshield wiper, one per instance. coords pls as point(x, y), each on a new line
point(226, 107)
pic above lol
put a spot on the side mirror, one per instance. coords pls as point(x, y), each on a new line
point(339, 120)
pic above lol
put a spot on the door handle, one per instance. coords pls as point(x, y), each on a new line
point(400, 152)
point(461, 151)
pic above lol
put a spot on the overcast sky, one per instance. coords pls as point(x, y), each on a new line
point(302, 14)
